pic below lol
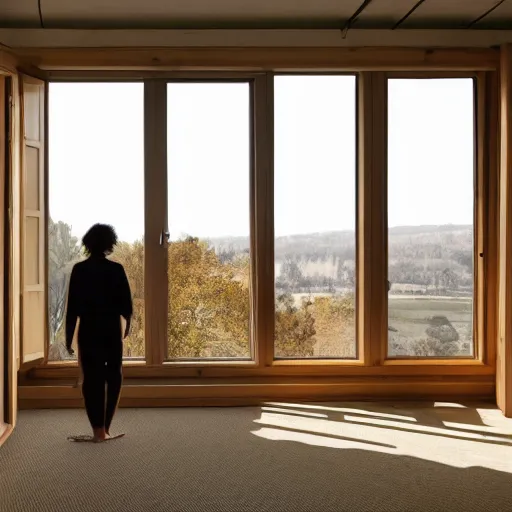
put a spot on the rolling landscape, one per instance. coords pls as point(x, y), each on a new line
point(430, 295)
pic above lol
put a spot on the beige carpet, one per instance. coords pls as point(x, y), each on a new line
point(282, 457)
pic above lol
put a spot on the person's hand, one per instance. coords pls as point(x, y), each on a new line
point(127, 329)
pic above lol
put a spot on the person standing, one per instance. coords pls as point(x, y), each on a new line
point(99, 295)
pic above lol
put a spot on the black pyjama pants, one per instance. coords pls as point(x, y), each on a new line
point(102, 380)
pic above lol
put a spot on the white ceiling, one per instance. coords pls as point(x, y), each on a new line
point(488, 14)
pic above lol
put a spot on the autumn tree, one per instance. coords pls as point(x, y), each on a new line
point(209, 300)
point(208, 303)
point(63, 253)
point(131, 256)
point(335, 325)
point(294, 327)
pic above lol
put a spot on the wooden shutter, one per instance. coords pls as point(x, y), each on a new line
point(33, 253)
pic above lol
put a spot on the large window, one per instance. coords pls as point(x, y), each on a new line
point(248, 250)
point(315, 256)
point(431, 175)
point(96, 174)
point(208, 131)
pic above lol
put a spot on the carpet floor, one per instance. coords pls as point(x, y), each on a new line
point(280, 457)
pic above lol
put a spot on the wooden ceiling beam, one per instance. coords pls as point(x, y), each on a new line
point(259, 59)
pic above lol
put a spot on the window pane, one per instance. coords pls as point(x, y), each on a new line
point(96, 174)
point(430, 205)
point(208, 204)
point(315, 207)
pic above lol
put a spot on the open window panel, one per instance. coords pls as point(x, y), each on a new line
point(33, 246)
point(208, 237)
point(315, 126)
point(432, 178)
point(95, 175)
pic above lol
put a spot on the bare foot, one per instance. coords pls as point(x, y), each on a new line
point(100, 439)
point(99, 434)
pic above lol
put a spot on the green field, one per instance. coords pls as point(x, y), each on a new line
point(410, 316)
point(409, 319)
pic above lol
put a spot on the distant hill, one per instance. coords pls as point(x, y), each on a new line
point(419, 258)
point(330, 242)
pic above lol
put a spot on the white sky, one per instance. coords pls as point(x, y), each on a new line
point(96, 155)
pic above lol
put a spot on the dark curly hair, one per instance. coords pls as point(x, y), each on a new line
point(100, 240)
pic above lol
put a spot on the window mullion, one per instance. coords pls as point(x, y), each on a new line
point(155, 207)
point(262, 219)
point(486, 208)
point(372, 217)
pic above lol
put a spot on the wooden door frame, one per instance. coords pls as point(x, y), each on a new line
point(5, 339)
point(4, 371)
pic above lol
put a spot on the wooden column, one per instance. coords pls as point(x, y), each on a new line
point(372, 218)
point(504, 342)
point(262, 215)
point(156, 295)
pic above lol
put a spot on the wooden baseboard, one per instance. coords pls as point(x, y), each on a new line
point(250, 393)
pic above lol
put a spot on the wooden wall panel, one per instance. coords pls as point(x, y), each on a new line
point(8, 63)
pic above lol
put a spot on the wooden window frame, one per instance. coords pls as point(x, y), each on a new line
point(361, 358)
point(258, 250)
point(371, 301)
point(155, 217)
point(485, 232)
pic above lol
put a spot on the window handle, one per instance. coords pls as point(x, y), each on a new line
point(164, 235)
